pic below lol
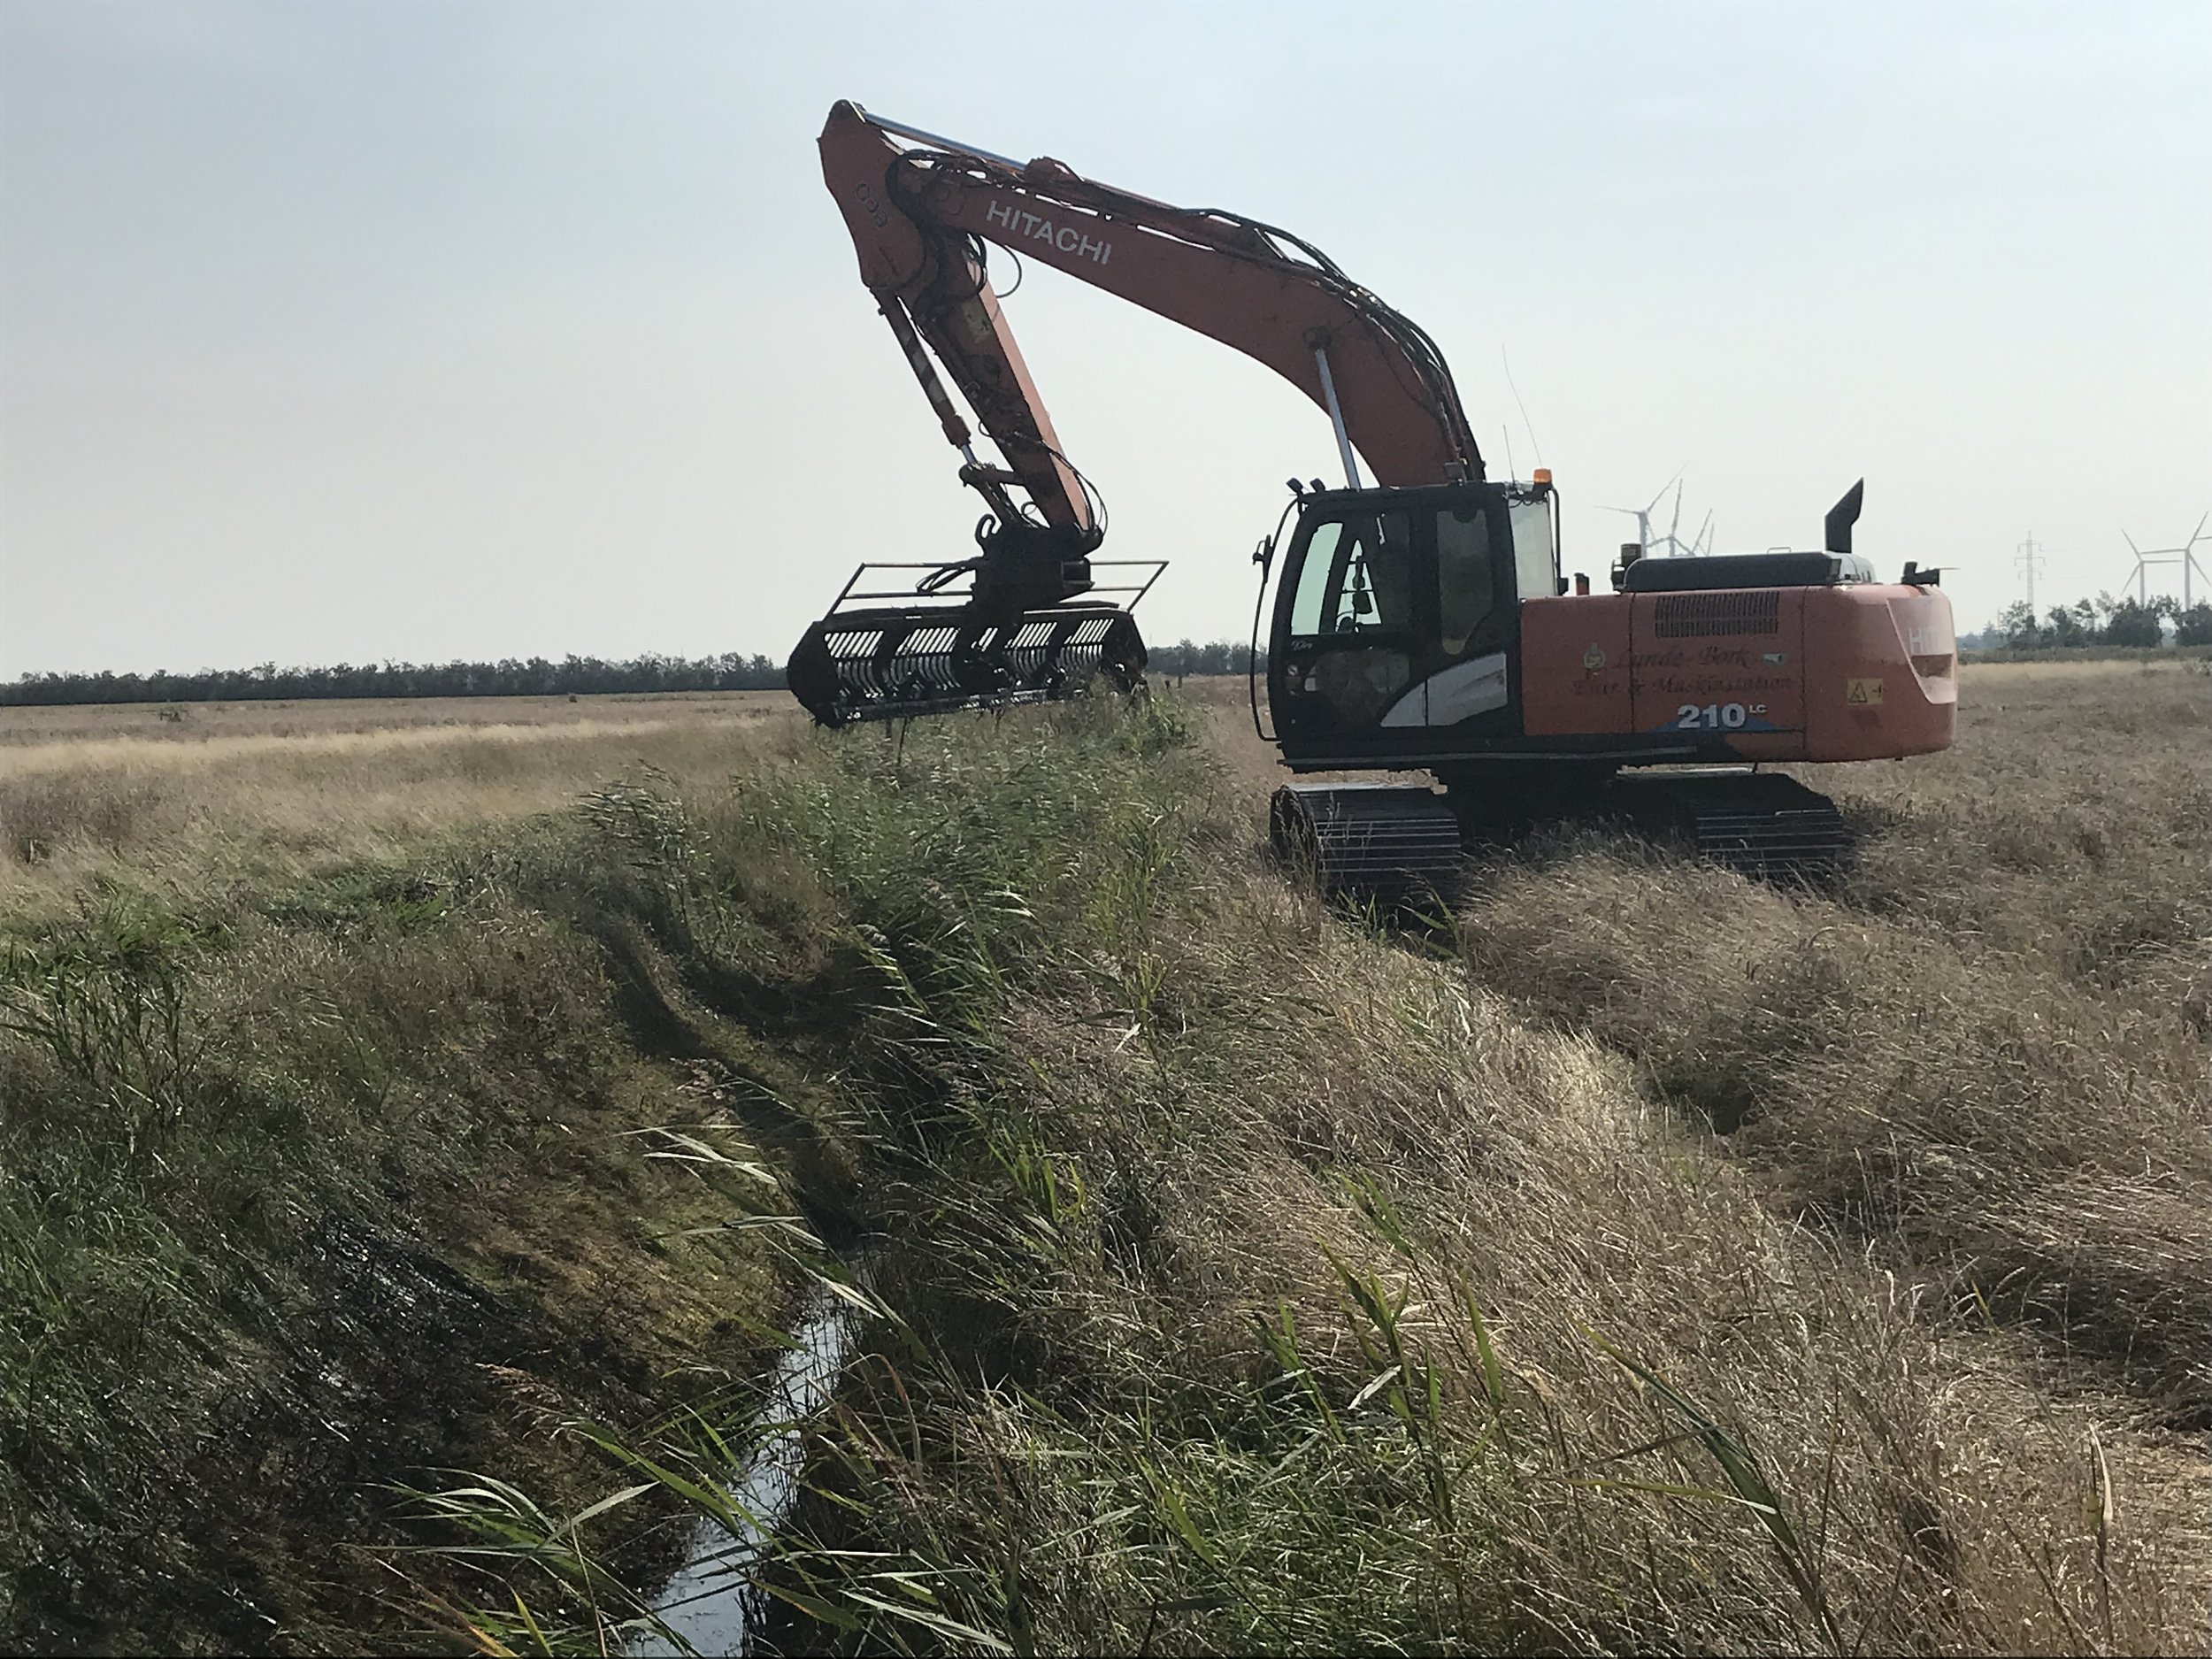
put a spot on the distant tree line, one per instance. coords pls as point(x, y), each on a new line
point(539, 677)
point(2103, 620)
point(1173, 662)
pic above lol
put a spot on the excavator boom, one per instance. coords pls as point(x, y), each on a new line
point(922, 212)
point(1271, 296)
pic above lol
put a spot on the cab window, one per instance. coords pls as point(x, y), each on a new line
point(1357, 577)
point(1466, 574)
point(1535, 559)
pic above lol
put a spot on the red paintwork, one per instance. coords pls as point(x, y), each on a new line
point(1902, 636)
point(1598, 666)
point(910, 219)
point(1574, 667)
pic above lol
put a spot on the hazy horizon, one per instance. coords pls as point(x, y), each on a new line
point(363, 332)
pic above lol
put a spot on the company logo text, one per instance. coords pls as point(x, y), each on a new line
point(1033, 227)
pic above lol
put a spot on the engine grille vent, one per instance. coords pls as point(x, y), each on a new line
point(1699, 616)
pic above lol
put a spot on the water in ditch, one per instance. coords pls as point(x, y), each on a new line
point(711, 1602)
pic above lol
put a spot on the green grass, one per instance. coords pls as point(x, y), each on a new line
point(1252, 1280)
point(303, 1190)
point(1241, 1274)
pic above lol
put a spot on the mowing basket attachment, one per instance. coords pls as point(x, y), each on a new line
point(892, 655)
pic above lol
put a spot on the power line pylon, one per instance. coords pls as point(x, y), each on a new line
point(2029, 558)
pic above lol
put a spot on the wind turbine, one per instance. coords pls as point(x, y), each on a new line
point(1671, 543)
point(1701, 543)
point(2184, 556)
point(1642, 515)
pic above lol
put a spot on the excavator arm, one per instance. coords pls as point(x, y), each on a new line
point(918, 212)
point(922, 212)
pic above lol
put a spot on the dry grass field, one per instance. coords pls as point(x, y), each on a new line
point(1647, 1259)
point(290, 786)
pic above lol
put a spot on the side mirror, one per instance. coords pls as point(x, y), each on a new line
point(1264, 555)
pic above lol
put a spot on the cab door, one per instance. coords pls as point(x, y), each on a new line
point(1347, 629)
point(1397, 616)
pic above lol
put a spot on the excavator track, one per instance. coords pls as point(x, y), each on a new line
point(1382, 840)
point(1392, 842)
point(1760, 825)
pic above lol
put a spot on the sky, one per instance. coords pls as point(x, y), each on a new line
point(418, 330)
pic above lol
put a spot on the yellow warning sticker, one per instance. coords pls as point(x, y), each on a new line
point(1863, 694)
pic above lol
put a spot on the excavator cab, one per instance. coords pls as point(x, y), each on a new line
point(1397, 616)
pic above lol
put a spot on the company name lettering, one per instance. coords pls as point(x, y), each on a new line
point(1711, 684)
point(1066, 238)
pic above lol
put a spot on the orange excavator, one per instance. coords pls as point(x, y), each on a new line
point(1421, 622)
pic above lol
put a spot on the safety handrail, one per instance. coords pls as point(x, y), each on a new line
point(950, 598)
